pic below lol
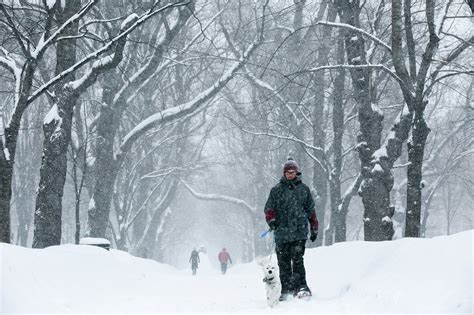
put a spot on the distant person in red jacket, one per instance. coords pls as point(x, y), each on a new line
point(224, 258)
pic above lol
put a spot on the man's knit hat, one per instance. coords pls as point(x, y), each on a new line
point(291, 165)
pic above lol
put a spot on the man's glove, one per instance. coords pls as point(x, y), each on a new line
point(314, 235)
point(273, 225)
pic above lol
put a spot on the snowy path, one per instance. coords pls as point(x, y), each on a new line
point(210, 292)
point(215, 293)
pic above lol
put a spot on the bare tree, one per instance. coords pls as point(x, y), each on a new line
point(377, 183)
point(58, 123)
point(22, 66)
point(416, 89)
point(118, 96)
point(98, 215)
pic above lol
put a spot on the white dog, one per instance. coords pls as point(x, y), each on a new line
point(272, 282)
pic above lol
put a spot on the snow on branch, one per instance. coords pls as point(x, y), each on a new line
point(305, 144)
point(97, 53)
point(9, 62)
point(169, 60)
point(18, 35)
point(356, 29)
point(132, 217)
point(185, 109)
point(146, 71)
point(391, 72)
point(95, 69)
point(43, 44)
point(253, 79)
point(217, 197)
point(452, 56)
point(104, 63)
point(435, 153)
point(324, 163)
point(52, 116)
point(351, 191)
point(4, 153)
point(344, 66)
point(265, 85)
point(160, 212)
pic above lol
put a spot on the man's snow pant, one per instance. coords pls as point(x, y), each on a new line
point(290, 262)
point(223, 267)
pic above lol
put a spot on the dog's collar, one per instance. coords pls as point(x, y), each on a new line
point(268, 280)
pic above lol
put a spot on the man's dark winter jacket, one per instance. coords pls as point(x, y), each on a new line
point(288, 210)
point(194, 259)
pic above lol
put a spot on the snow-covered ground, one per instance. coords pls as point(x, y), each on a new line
point(403, 276)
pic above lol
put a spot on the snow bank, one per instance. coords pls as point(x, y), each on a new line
point(402, 276)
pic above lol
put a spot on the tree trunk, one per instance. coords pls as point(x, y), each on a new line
point(77, 194)
point(375, 189)
point(8, 150)
point(338, 128)
point(295, 49)
point(57, 135)
point(25, 181)
point(6, 174)
point(414, 95)
point(67, 100)
point(48, 210)
point(57, 127)
point(416, 149)
point(320, 173)
point(105, 173)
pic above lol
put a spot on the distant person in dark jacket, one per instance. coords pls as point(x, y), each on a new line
point(288, 210)
point(194, 260)
point(224, 258)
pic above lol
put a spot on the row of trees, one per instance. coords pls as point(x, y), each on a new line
point(133, 93)
point(312, 93)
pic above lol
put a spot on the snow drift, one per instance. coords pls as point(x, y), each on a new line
point(403, 276)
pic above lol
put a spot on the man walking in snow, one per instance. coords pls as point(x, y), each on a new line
point(194, 260)
point(288, 210)
point(224, 258)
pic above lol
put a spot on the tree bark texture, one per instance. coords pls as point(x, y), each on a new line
point(58, 131)
point(321, 173)
point(337, 210)
point(416, 149)
point(10, 138)
point(413, 89)
point(420, 131)
point(25, 179)
point(7, 156)
point(48, 210)
point(6, 174)
point(376, 184)
point(105, 171)
point(57, 134)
